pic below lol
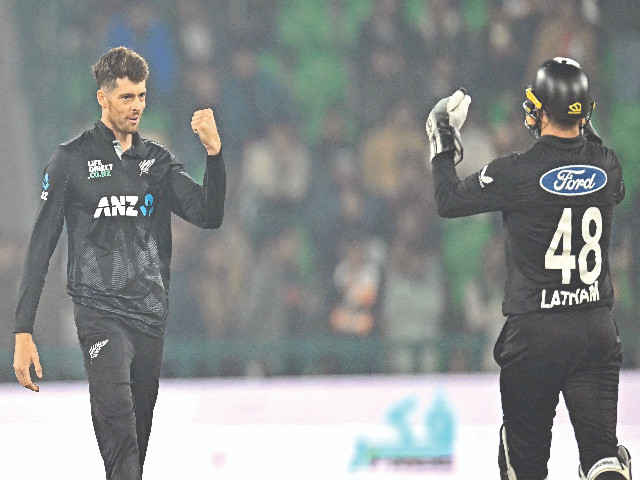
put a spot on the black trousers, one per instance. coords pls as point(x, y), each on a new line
point(123, 370)
point(543, 355)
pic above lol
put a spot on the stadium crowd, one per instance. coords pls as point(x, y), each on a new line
point(330, 240)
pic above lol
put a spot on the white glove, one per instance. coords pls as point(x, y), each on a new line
point(458, 107)
point(444, 123)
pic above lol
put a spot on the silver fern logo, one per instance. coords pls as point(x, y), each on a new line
point(95, 349)
point(145, 165)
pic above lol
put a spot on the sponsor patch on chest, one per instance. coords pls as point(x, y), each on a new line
point(574, 180)
point(124, 206)
point(98, 170)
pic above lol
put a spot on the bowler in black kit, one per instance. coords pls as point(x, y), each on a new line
point(557, 201)
point(116, 192)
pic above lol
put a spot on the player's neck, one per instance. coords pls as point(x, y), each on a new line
point(125, 139)
point(549, 128)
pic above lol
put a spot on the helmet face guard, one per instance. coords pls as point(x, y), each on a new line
point(531, 107)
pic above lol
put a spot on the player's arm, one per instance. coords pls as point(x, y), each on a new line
point(455, 197)
point(617, 182)
point(44, 238)
point(201, 205)
point(484, 191)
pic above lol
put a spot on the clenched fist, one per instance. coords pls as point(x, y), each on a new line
point(204, 125)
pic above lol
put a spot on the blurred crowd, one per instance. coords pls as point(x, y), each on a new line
point(330, 230)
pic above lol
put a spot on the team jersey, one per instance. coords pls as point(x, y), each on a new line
point(557, 202)
point(117, 208)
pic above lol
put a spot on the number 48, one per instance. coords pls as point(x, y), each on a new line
point(565, 261)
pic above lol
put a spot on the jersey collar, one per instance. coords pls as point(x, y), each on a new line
point(564, 143)
point(138, 147)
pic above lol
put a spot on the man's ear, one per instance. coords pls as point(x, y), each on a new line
point(102, 98)
point(543, 117)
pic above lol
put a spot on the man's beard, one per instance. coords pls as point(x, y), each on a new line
point(124, 127)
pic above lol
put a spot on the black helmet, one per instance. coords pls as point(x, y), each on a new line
point(561, 88)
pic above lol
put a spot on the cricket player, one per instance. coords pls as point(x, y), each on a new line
point(557, 201)
point(116, 192)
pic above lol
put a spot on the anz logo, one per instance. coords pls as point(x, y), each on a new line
point(147, 208)
point(574, 180)
point(124, 206)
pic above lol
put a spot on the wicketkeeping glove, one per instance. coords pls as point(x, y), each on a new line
point(444, 123)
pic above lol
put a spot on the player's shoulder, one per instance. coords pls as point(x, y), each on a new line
point(66, 151)
point(156, 150)
point(76, 147)
point(505, 167)
point(79, 141)
point(604, 155)
point(511, 160)
point(607, 161)
point(153, 145)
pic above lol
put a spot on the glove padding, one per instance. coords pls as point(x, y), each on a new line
point(590, 133)
point(444, 123)
point(458, 107)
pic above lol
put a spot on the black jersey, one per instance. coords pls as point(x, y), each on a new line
point(117, 207)
point(557, 203)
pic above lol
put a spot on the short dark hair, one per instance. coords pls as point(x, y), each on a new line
point(119, 62)
point(561, 120)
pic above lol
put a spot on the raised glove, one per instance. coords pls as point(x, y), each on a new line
point(458, 107)
point(444, 123)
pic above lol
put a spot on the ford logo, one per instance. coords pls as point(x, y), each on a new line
point(574, 180)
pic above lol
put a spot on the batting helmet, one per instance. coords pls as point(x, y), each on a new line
point(561, 88)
